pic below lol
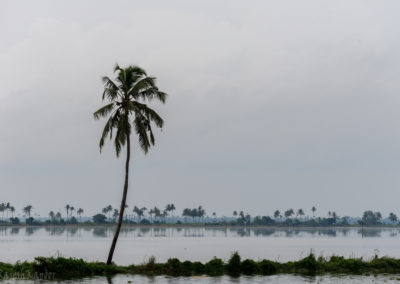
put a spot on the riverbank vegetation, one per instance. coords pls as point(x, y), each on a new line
point(190, 216)
point(63, 268)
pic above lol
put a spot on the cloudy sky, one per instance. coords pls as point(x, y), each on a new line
point(272, 104)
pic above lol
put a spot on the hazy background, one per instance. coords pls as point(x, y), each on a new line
point(273, 104)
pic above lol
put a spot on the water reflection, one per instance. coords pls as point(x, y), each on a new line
point(281, 278)
point(200, 232)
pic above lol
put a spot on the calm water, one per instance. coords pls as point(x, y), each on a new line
point(295, 279)
point(136, 245)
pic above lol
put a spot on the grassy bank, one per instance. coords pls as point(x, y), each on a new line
point(63, 268)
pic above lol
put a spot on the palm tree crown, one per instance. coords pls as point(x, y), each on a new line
point(127, 96)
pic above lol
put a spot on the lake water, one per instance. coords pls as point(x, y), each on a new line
point(136, 245)
point(280, 279)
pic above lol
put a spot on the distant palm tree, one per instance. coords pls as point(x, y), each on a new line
point(172, 208)
point(115, 214)
point(313, 209)
point(157, 213)
point(8, 206)
point(289, 213)
point(392, 217)
point(67, 209)
point(51, 215)
point(12, 210)
point(127, 96)
point(27, 210)
point(79, 212)
point(109, 210)
point(71, 210)
point(277, 214)
point(300, 213)
point(2, 209)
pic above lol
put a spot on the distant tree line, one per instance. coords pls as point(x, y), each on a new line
point(147, 216)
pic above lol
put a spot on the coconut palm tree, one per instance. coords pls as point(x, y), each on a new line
point(8, 206)
point(2, 209)
point(277, 214)
point(313, 209)
point(27, 210)
point(52, 215)
point(79, 212)
point(115, 214)
point(12, 210)
point(67, 209)
point(300, 212)
point(127, 109)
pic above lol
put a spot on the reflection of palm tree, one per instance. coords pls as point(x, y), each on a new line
point(126, 96)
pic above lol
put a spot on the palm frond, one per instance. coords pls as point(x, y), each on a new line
point(106, 130)
point(123, 130)
point(102, 112)
point(110, 90)
point(143, 84)
point(152, 93)
point(133, 74)
point(149, 113)
point(140, 127)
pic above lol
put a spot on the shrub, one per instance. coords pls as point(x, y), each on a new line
point(173, 267)
point(145, 222)
point(198, 268)
point(267, 267)
point(249, 267)
point(214, 267)
point(233, 266)
point(14, 220)
point(186, 268)
point(99, 219)
point(308, 263)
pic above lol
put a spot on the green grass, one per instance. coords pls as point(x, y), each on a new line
point(69, 268)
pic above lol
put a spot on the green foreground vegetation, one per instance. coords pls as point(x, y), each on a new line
point(67, 268)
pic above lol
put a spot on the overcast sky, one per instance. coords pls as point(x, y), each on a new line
point(272, 104)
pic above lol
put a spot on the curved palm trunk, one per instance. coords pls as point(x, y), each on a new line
point(123, 202)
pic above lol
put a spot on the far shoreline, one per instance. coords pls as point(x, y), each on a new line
point(207, 226)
